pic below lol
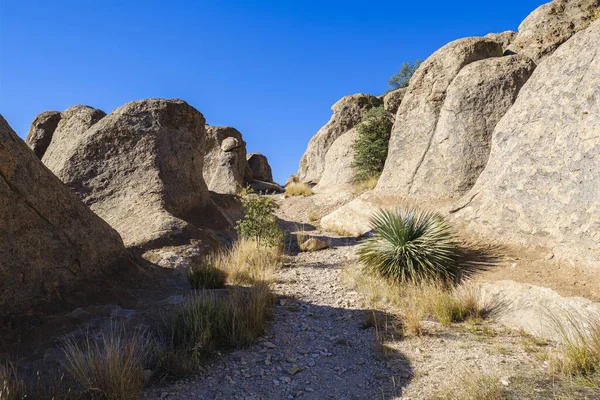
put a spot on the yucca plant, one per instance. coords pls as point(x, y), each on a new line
point(410, 246)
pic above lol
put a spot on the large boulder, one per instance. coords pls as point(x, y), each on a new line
point(51, 244)
point(476, 100)
point(225, 167)
point(338, 162)
point(542, 179)
point(417, 117)
point(259, 167)
point(550, 25)
point(140, 169)
point(74, 122)
point(347, 112)
point(41, 131)
point(393, 99)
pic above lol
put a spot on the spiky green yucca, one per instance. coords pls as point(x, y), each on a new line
point(410, 246)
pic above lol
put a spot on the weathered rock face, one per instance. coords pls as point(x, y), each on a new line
point(140, 169)
point(550, 25)
point(542, 179)
point(347, 112)
point(50, 242)
point(225, 167)
point(73, 123)
point(259, 167)
point(476, 100)
point(417, 117)
point(504, 38)
point(338, 162)
point(41, 131)
point(392, 100)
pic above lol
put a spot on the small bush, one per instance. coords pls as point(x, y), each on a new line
point(203, 274)
point(410, 246)
point(259, 222)
point(206, 323)
point(298, 189)
point(371, 145)
point(402, 78)
point(111, 368)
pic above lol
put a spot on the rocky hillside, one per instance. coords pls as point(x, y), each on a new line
point(501, 130)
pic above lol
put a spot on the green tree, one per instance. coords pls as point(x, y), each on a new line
point(259, 222)
point(371, 146)
point(401, 79)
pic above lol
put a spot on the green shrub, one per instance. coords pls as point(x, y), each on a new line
point(371, 145)
point(402, 78)
point(410, 246)
point(258, 222)
point(202, 274)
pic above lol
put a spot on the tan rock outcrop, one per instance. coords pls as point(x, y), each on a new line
point(347, 112)
point(41, 131)
point(550, 25)
point(225, 167)
point(51, 244)
point(417, 117)
point(140, 169)
point(259, 167)
point(393, 99)
point(542, 179)
point(476, 100)
point(338, 170)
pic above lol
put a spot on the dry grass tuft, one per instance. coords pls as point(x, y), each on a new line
point(111, 367)
point(248, 262)
point(416, 302)
point(206, 323)
point(203, 274)
point(579, 351)
point(298, 189)
point(473, 386)
point(366, 184)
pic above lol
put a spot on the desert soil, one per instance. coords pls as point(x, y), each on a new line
point(317, 346)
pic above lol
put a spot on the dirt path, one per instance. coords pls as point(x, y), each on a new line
point(315, 348)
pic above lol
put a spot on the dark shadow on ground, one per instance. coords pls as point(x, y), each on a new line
point(294, 230)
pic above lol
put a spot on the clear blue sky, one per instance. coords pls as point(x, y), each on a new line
point(272, 69)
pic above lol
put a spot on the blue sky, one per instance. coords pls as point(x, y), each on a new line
point(272, 69)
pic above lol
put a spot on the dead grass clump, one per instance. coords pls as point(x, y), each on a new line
point(202, 274)
point(473, 386)
point(579, 351)
point(366, 184)
point(248, 262)
point(298, 189)
point(416, 302)
point(13, 386)
point(110, 367)
point(206, 323)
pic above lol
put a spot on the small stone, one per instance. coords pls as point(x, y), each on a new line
point(269, 345)
point(293, 371)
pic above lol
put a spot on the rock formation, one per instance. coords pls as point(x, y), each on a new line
point(393, 99)
point(74, 122)
point(41, 131)
point(504, 38)
point(542, 179)
point(51, 244)
point(259, 167)
point(416, 119)
point(347, 112)
point(226, 169)
point(338, 162)
point(140, 169)
point(476, 100)
point(552, 24)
